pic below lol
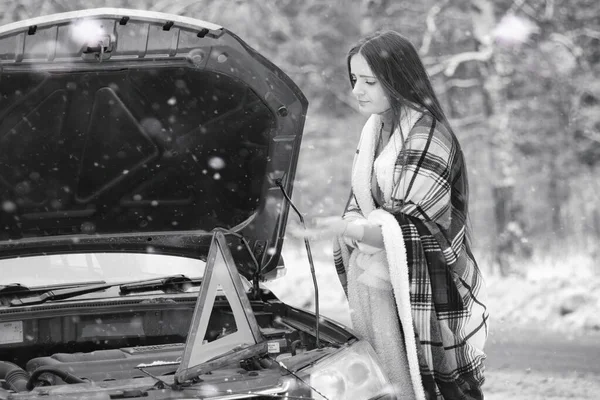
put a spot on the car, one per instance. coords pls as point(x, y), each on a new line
point(146, 166)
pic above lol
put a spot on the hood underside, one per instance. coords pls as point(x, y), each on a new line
point(121, 122)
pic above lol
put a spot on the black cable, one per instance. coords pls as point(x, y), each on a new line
point(282, 366)
point(278, 182)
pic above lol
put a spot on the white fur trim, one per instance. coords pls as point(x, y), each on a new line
point(363, 165)
point(396, 254)
point(395, 250)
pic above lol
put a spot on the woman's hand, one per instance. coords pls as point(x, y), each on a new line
point(330, 227)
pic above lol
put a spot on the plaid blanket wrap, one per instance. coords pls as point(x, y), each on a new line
point(423, 186)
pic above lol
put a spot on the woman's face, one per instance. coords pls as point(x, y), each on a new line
point(367, 88)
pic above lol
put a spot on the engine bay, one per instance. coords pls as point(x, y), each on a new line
point(107, 341)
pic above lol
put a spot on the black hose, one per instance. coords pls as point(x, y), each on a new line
point(15, 376)
point(279, 182)
point(64, 375)
point(293, 346)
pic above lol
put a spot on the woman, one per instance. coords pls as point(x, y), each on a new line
point(402, 250)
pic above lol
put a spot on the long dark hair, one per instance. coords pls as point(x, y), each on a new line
point(396, 64)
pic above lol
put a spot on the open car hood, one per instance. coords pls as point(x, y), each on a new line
point(123, 128)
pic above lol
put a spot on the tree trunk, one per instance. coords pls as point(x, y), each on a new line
point(555, 198)
point(501, 147)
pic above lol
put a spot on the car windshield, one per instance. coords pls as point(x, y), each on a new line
point(90, 267)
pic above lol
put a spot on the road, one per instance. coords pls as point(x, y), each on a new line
point(530, 363)
point(543, 351)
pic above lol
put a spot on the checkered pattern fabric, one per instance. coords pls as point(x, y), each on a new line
point(423, 185)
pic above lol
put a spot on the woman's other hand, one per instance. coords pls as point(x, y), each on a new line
point(330, 227)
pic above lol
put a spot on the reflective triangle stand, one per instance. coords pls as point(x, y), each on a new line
point(221, 275)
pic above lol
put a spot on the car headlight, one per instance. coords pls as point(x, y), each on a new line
point(353, 373)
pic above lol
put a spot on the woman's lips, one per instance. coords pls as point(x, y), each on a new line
point(362, 102)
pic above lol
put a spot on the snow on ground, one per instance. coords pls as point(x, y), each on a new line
point(557, 294)
point(529, 385)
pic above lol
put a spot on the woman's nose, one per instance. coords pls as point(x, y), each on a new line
point(357, 89)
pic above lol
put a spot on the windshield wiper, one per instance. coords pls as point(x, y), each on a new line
point(58, 294)
point(18, 288)
point(170, 284)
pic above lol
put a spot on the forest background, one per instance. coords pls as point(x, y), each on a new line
point(518, 80)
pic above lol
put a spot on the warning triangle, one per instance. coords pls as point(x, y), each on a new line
point(221, 275)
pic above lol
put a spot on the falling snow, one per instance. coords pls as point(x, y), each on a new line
point(216, 163)
point(9, 206)
point(514, 30)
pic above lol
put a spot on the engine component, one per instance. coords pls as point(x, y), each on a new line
point(64, 375)
point(108, 365)
point(16, 377)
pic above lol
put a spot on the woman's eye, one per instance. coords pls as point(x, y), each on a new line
point(370, 82)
